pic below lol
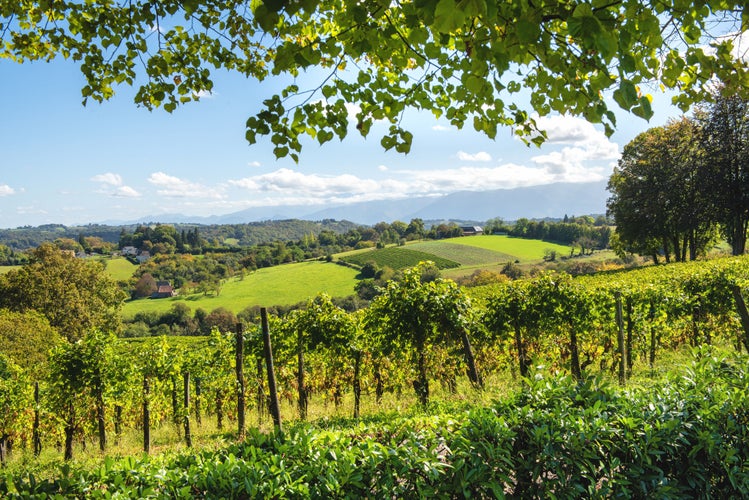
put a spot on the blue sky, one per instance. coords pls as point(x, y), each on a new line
point(68, 164)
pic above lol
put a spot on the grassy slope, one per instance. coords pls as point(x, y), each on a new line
point(466, 255)
point(521, 249)
point(6, 269)
point(399, 258)
point(280, 285)
point(120, 268)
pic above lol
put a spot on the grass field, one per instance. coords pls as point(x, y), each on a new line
point(6, 269)
point(279, 285)
point(521, 249)
point(120, 268)
point(465, 255)
point(399, 258)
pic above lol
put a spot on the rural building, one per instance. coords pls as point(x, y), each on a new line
point(163, 290)
point(143, 256)
point(129, 250)
point(471, 230)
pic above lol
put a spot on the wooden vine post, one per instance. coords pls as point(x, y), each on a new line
point(146, 415)
point(275, 408)
point(302, 403)
point(36, 439)
point(240, 381)
point(186, 409)
point(260, 399)
point(620, 339)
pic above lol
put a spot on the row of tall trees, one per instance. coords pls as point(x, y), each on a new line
point(679, 187)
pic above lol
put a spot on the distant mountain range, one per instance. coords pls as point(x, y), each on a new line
point(536, 202)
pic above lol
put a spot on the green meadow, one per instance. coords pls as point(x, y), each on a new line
point(7, 269)
point(279, 285)
point(518, 248)
point(120, 268)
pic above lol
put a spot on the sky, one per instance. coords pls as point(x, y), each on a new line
point(63, 163)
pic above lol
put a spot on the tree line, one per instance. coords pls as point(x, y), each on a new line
point(680, 188)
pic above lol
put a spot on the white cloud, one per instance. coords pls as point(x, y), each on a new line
point(480, 156)
point(288, 187)
point(6, 190)
point(254, 164)
point(113, 185)
point(175, 187)
point(126, 192)
point(440, 128)
point(382, 168)
point(108, 178)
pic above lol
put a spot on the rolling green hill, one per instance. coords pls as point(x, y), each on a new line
point(519, 248)
point(120, 268)
point(279, 285)
point(398, 258)
point(453, 253)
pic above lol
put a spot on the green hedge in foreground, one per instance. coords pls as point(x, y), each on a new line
point(688, 437)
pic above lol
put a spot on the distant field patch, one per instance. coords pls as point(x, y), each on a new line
point(465, 255)
point(520, 248)
point(120, 268)
point(279, 285)
point(6, 269)
point(399, 258)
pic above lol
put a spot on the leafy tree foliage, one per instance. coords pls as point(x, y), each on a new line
point(725, 174)
point(26, 339)
point(75, 295)
point(466, 60)
point(658, 200)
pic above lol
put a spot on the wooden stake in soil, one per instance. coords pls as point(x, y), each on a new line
point(186, 384)
point(620, 339)
point(146, 415)
point(240, 381)
point(37, 440)
point(275, 408)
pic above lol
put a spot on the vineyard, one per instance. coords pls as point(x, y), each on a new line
point(565, 433)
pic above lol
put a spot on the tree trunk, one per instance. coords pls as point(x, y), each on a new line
point(69, 435)
point(357, 383)
point(421, 384)
point(473, 372)
point(239, 354)
point(4, 448)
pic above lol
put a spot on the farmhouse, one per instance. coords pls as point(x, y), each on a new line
point(471, 230)
point(163, 290)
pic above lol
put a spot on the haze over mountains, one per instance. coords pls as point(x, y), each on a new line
point(551, 200)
